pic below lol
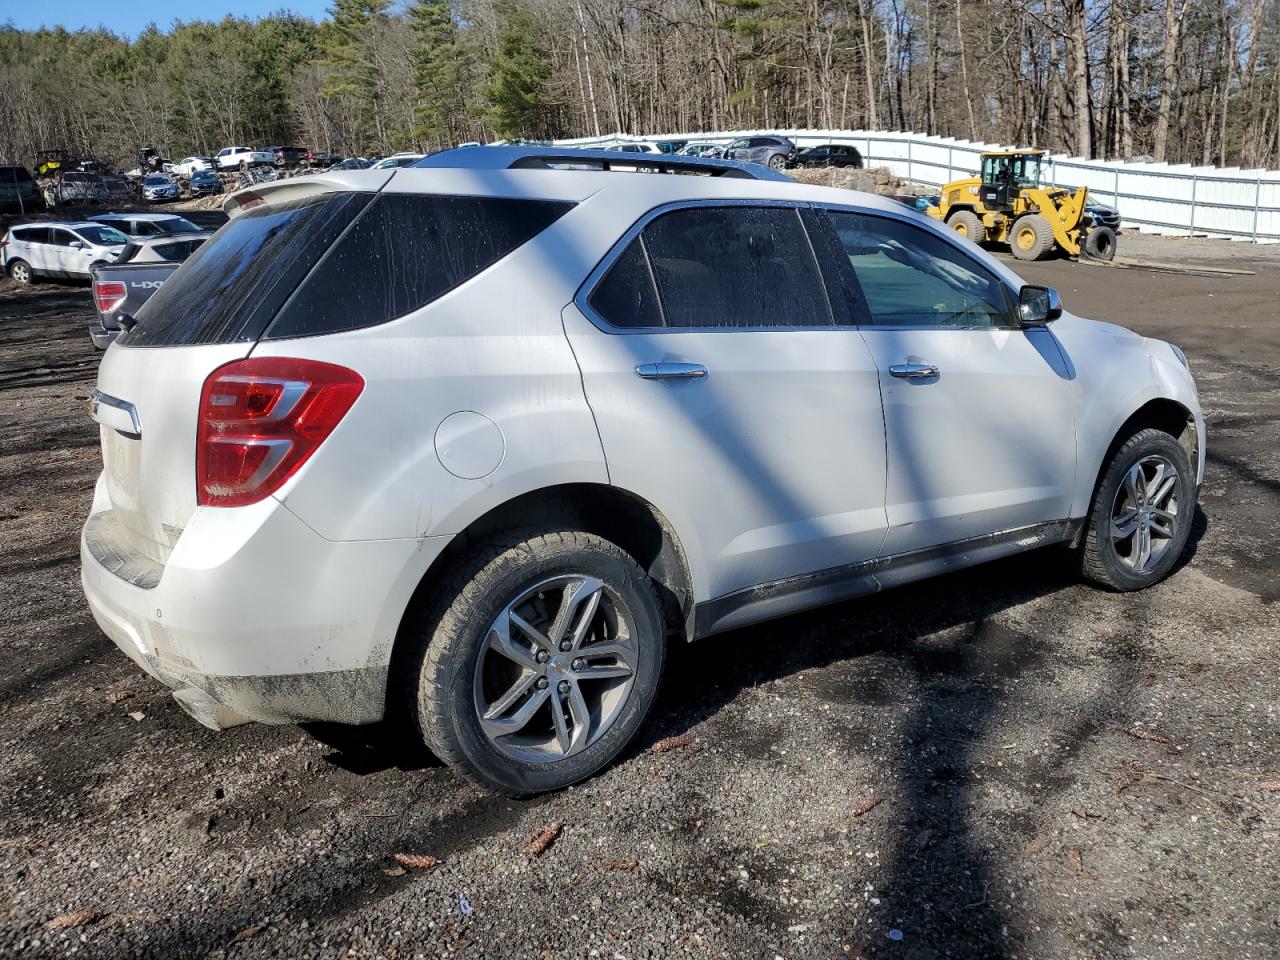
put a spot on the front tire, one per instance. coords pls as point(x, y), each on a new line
point(1141, 514)
point(777, 161)
point(539, 662)
point(968, 224)
point(1031, 237)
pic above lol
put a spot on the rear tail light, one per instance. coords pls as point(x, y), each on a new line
point(261, 419)
point(108, 294)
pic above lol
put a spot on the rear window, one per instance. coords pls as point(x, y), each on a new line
point(234, 284)
point(405, 251)
point(10, 174)
point(176, 225)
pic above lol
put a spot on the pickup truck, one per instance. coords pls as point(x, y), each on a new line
point(241, 158)
point(121, 288)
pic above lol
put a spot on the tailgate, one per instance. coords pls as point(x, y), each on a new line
point(150, 469)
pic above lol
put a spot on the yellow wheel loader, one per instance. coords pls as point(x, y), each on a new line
point(1007, 204)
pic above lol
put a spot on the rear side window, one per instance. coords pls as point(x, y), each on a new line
point(128, 253)
point(234, 284)
point(405, 251)
point(727, 267)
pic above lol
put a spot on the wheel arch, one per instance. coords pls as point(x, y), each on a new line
point(1160, 413)
point(617, 515)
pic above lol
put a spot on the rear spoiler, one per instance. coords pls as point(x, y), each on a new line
point(298, 188)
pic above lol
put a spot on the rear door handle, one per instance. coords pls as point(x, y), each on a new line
point(915, 370)
point(668, 370)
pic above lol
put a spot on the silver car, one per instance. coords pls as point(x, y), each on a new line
point(159, 186)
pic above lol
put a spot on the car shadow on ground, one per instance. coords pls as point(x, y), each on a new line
point(939, 649)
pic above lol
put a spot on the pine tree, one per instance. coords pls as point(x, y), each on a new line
point(519, 95)
point(347, 53)
point(438, 72)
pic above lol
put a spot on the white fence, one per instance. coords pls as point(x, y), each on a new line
point(1175, 199)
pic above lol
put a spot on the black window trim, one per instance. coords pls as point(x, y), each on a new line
point(582, 299)
point(857, 296)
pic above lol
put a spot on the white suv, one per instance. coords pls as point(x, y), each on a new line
point(473, 441)
point(58, 249)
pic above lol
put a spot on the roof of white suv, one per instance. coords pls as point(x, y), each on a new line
point(141, 217)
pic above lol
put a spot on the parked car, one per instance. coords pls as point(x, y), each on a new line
point(288, 156)
point(397, 160)
point(242, 158)
point(17, 187)
point(670, 146)
point(121, 288)
point(494, 492)
point(158, 187)
point(775, 152)
point(144, 225)
point(204, 182)
point(58, 249)
point(322, 158)
point(187, 166)
point(75, 187)
point(1100, 214)
point(636, 148)
point(712, 150)
point(828, 155)
point(351, 163)
point(922, 203)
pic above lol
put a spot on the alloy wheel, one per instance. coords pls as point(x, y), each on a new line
point(1144, 515)
point(556, 669)
point(21, 272)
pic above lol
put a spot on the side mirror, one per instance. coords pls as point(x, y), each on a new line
point(1038, 306)
point(77, 245)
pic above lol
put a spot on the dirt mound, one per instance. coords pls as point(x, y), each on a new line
point(868, 180)
point(213, 202)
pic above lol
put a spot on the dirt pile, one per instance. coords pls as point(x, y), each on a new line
point(869, 180)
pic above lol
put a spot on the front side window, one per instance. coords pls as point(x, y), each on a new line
point(911, 278)
point(716, 267)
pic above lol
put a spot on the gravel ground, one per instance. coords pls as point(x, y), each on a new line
point(998, 763)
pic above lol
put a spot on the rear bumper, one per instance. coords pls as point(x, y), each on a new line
point(256, 612)
point(100, 335)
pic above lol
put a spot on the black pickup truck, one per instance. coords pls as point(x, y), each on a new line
point(121, 288)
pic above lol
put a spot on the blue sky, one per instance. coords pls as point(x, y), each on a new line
point(131, 16)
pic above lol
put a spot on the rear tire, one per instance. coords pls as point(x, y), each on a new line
point(968, 224)
point(777, 161)
point(1031, 237)
point(21, 271)
point(1141, 514)
point(1100, 243)
point(492, 668)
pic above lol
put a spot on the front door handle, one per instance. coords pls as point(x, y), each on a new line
point(668, 370)
point(915, 370)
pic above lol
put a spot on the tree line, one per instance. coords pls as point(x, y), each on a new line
point(1188, 81)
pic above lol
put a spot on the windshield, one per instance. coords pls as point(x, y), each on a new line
point(176, 225)
point(102, 236)
point(155, 181)
point(1021, 169)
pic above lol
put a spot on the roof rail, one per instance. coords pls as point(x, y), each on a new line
point(556, 158)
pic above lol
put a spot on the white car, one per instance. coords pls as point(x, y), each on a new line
point(189, 165)
point(636, 148)
point(618, 412)
point(241, 158)
point(397, 160)
point(136, 225)
point(58, 249)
